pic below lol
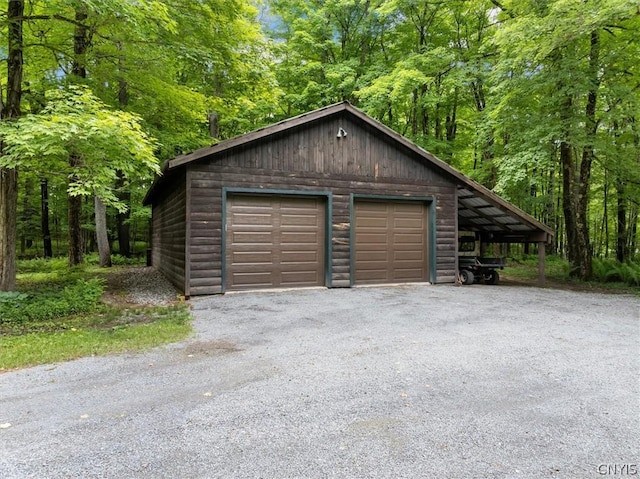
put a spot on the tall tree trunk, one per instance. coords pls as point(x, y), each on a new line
point(81, 41)
point(604, 233)
point(75, 230)
point(8, 226)
point(568, 208)
point(124, 194)
point(575, 193)
point(122, 219)
point(622, 250)
point(585, 253)
point(9, 177)
point(25, 216)
point(634, 219)
point(451, 120)
point(78, 68)
point(104, 252)
point(46, 231)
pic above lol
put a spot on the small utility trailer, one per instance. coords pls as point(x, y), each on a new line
point(472, 267)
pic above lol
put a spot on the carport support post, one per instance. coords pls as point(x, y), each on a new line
point(541, 254)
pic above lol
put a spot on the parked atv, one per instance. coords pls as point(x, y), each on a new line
point(472, 267)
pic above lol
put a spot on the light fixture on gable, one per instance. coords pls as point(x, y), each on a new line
point(341, 133)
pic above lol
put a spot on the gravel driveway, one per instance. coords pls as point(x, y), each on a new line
point(398, 382)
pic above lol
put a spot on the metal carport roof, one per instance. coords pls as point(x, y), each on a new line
point(496, 220)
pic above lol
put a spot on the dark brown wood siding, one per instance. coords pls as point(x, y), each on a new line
point(170, 231)
point(315, 148)
point(312, 158)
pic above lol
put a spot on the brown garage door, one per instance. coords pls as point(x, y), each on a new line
point(390, 242)
point(275, 241)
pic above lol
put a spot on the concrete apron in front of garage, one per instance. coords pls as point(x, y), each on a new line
point(409, 381)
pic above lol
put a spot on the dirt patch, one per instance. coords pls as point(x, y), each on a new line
point(210, 348)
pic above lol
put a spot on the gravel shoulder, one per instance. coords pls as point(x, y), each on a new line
point(140, 285)
point(411, 381)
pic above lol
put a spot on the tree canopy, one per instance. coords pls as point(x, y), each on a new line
point(536, 99)
point(76, 123)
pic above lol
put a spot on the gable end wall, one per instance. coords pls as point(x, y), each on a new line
point(312, 158)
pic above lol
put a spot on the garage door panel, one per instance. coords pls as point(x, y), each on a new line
point(373, 266)
point(252, 278)
point(380, 255)
point(408, 238)
point(376, 239)
point(253, 237)
point(390, 242)
point(299, 279)
point(399, 256)
point(300, 257)
point(275, 241)
point(408, 274)
point(415, 208)
point(374, 277)
point(372, 222)
point(298, 203)
point(290, 237)
point(299, 220)
point(252, 218)
point(251, 257)
point(408, 223)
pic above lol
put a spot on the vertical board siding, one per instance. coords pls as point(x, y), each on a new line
point(315, 148)
point(169, 233)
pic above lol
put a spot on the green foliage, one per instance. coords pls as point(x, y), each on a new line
point(51, 302)
point(12, 297)
point(44, 266)
point(118, 260)
point(57, 315)
point(526, 267)
point(609, 270)
point(605, 271)
point(95, 335)
point(77, 135)
point(482, 84)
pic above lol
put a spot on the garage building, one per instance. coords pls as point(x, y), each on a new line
point(329, 198)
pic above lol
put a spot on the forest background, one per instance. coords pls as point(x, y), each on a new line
point(538, 100)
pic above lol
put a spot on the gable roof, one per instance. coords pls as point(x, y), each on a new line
point(479, 209)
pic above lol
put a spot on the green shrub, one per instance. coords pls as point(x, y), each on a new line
point(117, 260)
point(613, 271)
point(42, 265)
point(51, 302)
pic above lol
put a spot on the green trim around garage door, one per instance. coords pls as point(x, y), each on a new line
point(430, 201)
point(226, 191)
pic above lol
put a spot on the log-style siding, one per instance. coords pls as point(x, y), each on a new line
point(169, 234)
point(337, 151)
point(312, 158)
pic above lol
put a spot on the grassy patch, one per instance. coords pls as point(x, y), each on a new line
point(92, 335)
point(526, 268)
point(58, 314)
